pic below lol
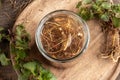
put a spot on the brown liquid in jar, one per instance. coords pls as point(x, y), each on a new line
point(62, 37)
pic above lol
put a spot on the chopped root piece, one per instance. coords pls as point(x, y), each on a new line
point(112, 45)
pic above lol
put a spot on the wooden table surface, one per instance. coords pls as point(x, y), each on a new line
point(7, 17)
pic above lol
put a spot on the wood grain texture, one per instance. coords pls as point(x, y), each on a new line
point(89, 66)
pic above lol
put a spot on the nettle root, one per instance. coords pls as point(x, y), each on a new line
point(112, 49)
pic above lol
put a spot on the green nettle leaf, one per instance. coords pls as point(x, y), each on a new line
point(24, 76)
point(116, 8)
point(95, 6)
point(21, 54)
point(18, 38)
point(22, 38)
point(22, 45)
point(31, 66)
point(85, 15)
point(99, 10)
point(46, 75)
point(104, 17)
point(19, 30)
point(106, 5)
point(78, 5)
point(117, 15)
point(1, 28)
point(116, 22)
point(4, 60)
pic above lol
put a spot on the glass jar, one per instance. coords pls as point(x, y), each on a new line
point(57, 40)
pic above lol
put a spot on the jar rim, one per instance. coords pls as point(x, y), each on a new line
point(40, 26)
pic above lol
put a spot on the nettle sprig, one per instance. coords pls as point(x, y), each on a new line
point(19, 50)
point(30, 69)
point(103, 10)
point(3, 59)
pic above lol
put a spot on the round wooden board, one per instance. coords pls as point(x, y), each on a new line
point(90, 66)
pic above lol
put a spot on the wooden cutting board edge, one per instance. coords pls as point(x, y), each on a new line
point(117, 67)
